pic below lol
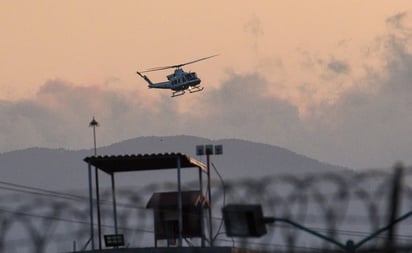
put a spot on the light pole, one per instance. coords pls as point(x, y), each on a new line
point(94, 124)
point(209, 150)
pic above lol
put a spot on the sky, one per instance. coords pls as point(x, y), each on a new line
point(326, 79)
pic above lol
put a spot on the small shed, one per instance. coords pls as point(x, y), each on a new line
point(166, 214)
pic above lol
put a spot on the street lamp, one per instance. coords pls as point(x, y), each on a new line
point(94, 124)
point(209, 150)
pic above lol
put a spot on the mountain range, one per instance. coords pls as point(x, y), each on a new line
point(61, 169)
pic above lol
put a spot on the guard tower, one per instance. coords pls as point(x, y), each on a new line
point(170, 222)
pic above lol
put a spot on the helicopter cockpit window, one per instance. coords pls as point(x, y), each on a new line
point(189, 77)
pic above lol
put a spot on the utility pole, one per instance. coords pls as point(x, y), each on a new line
point(395, 205)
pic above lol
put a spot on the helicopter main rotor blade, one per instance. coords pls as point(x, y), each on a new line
point(201, 59)
point(177, 65)
point(157, 69)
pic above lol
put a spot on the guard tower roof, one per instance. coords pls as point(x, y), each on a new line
point(139, 162)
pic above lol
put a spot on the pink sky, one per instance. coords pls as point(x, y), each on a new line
point(311, 54)
point(91, 42)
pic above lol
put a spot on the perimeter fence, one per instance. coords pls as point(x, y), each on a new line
point(344, 205)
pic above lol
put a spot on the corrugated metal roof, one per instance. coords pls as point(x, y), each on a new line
point(140, 162)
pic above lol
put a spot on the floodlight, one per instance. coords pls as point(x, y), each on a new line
point(209, 149)
point(218, 149)
point(93, 123)
point(114, 240)
point(200, 150)
point(245, 220)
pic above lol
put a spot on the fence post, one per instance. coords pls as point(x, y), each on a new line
point(394, 205)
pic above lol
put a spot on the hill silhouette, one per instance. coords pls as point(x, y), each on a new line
point(60, 169)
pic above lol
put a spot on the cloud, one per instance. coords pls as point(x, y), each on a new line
point(59, 114)
point(23, 122)
point(254, 27)
point(338, 67)
point(371, 127)
point(242, 108)
point(397, 21)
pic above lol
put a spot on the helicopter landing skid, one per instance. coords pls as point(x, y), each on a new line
point(178, 93)
point(195, 89)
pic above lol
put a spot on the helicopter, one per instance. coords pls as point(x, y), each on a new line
point(179, 81)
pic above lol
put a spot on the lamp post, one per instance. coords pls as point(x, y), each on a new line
point(209, 150)
point(94, 124)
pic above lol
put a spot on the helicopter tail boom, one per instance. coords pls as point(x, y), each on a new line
point(161, 85)
point(145, 78)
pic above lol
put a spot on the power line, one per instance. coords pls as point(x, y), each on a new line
point(55, 194)
point(40, 191)
point(83, 222)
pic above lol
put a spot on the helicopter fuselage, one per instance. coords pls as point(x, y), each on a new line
point(179, 80)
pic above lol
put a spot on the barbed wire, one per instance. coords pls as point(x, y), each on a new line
point(341, 205)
